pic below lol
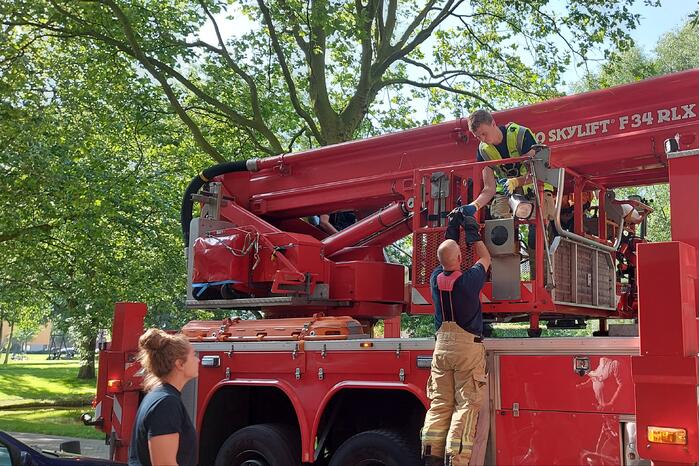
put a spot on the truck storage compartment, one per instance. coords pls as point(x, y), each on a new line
point(584, 275)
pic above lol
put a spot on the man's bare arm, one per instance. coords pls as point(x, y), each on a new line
point(325, 224)
point(483, 253)
point(489, 190)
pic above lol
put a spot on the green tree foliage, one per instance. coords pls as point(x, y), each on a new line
point(676, 50)
point(316, 68)
point(659, 222)
point(93, 171)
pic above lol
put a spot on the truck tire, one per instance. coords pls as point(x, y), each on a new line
point(261, 445)
point(376, 447)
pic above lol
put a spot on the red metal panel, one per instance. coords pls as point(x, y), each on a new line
point(541, 438)
point(263, 364)
point(130, 405)
point(368, 281)
point(127, 326)
point(666, 396)
point(392, 327)
point(667, 283)
point(683, 181)
point(116, 363)
point(549, 383)
point(666, 373)
point(207, 383)
point(358, 365)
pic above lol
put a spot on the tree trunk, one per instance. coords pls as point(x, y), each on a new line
point(87, 357)
point(9, 342)
point(2, 325)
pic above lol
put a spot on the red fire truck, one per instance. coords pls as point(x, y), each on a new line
point(310, 383)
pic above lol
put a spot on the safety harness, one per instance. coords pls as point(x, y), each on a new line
point(445, 285)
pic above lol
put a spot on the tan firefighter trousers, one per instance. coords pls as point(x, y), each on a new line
point(456, 390)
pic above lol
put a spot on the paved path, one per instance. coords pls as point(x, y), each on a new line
point(88, 447)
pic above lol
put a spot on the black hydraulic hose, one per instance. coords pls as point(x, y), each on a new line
point(197, 183)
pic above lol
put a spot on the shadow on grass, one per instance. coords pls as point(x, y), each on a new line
point(22, 384)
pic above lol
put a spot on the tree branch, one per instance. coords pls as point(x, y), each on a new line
point(358, 104)
point(555, 28)
point(390, 24)
point(43, 228)
point(152, 65)
point(450, 74)
point(332, 128)
point(294, 139)
point(487, 46)
point(391, 82)
point(380, 30)
point(169, 92)
point(425, 33)
point(223, 51)
point(417, 21)
point(291, 86)
point(401, 49)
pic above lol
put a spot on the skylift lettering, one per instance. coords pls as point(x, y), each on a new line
point(622, 123)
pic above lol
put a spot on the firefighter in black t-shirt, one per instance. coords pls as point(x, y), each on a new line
point(501, 181)
point(458, 371)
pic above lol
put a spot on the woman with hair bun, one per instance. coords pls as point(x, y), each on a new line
point(163, 433)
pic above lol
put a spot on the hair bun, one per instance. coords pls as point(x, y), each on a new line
point(153, 340)
point(158, 352)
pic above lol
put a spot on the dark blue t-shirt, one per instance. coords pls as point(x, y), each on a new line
point(342, 220)
point(465, 297)
point(511, 169)
point(161, 412)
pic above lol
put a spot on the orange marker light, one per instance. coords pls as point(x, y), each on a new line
point(667, 435)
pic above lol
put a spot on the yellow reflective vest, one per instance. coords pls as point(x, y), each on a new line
point(515, 136)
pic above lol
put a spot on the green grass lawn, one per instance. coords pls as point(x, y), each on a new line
point(37, 381)
point(45, 397)
point(50, 421)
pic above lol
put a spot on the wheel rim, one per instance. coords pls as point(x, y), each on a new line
point(251, 458)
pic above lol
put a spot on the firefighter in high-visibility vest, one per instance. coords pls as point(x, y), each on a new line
point(499, 142)
point(458, 371)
